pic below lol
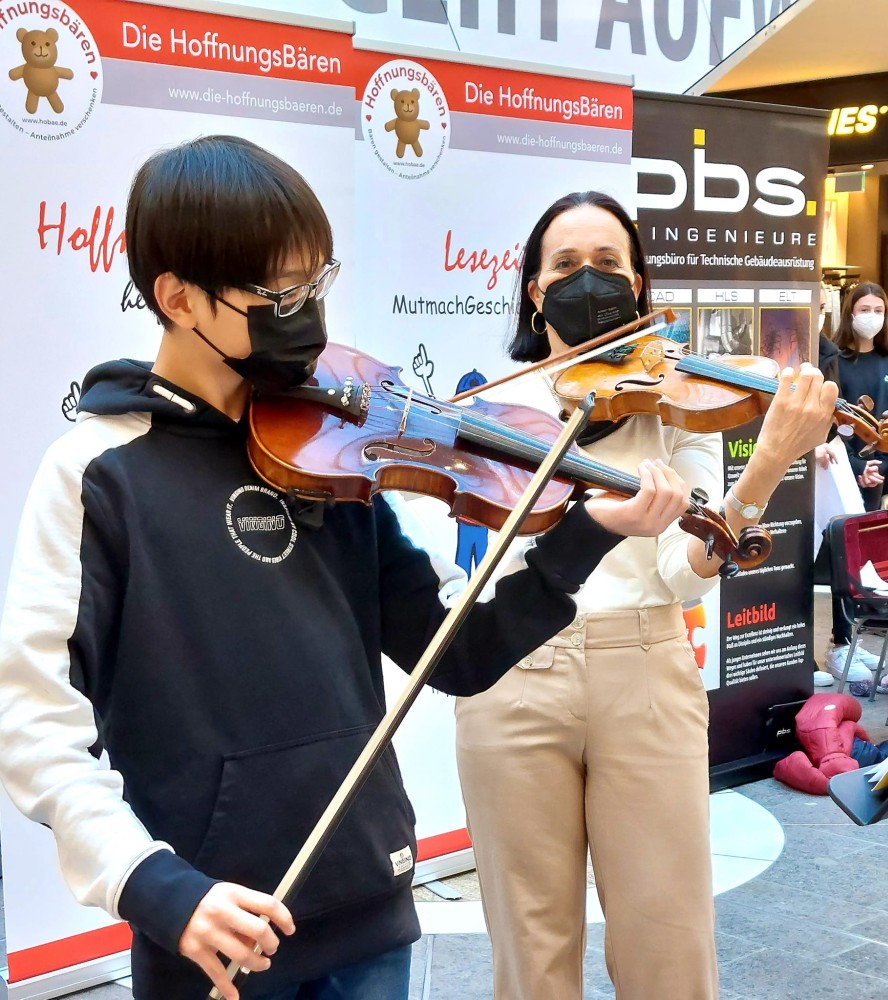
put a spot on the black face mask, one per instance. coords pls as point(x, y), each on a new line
point(283, 349)
point(587, 303)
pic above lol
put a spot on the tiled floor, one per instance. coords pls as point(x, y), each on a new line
point(812, 925)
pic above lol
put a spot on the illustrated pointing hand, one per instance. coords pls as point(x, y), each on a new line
point(70, 401)
point(424, 368)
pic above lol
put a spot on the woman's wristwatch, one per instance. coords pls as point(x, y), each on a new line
point(748, 510)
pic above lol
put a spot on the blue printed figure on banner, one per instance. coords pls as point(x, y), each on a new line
point(471, 539)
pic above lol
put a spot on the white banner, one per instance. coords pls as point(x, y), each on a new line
point(131, 79)
point(455, 161)
point(429, 250)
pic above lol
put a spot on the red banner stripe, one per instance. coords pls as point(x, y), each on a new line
point(441, 844)
point(65, 952)
point(61, 954)
point(176, 37)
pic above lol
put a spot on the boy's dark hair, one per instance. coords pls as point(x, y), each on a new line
point(220, 212)
point(526, 345)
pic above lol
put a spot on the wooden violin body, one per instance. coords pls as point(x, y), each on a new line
point(357, 429)
point(658, 376)
point(400, 441)
point(647, 381)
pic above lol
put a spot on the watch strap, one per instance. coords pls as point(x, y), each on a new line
point(746, 508)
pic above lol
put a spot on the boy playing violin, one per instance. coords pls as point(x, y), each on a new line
point(163, 603)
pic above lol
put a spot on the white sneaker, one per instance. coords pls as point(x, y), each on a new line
point(822, 679)
point(869, 660)
point(835, 664)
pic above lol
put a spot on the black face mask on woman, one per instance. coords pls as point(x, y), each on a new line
point(283, 349)
point(588, 302)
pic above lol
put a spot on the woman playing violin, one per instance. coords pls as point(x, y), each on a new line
point(597, 741)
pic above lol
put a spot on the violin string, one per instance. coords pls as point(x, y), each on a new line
point(697, 365)
point(579, 466)
point(499, 435)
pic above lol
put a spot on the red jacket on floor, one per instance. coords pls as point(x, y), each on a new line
point(826, 727)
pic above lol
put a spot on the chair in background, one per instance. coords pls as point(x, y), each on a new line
point(855, 540)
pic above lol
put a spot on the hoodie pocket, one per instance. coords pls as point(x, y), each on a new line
point(268, 802)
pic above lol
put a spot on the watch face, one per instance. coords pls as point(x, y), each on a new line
point(750, 510)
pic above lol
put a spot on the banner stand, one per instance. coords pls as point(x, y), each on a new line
point(65, 981)
point(730, 211)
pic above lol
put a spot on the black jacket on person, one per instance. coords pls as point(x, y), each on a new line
point(863, 374)
point(164, 605)
point(828, 359)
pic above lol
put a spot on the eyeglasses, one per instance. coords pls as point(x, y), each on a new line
point(292, 299)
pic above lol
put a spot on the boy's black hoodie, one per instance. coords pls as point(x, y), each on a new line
point(164, 605)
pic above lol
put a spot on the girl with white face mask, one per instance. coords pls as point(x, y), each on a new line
point(862, 341)
point(863, 371)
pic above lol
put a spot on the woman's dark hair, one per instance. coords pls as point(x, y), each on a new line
point(220, 212)
point(526, 345)
point(844, 335)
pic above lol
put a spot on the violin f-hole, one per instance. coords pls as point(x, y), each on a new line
point(379, 451)
point(638, 380)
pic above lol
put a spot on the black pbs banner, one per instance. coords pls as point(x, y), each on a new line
point(730, 210)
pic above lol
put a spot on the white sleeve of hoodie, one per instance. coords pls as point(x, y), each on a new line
point(47, 725)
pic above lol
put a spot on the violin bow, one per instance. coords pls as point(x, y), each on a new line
point(574, 355)
point(325, 827)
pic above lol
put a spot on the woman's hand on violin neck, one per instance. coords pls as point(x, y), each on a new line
point(799, 417)
point(796, 422)
point(661, 498)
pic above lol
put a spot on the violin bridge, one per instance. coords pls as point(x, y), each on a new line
point(402, 427)
point(651, 356)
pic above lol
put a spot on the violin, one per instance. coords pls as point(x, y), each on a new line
point(660, 377)
point(356, 429)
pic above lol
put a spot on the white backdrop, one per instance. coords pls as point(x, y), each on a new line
point(67, 305)
point(438, 234)
point(147, 76)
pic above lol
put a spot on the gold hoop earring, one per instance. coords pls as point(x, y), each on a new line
point(539, 333)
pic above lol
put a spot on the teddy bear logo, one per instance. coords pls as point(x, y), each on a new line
point(39, 71)
point(406, 124)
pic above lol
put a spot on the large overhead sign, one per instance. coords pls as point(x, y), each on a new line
point(667, 45)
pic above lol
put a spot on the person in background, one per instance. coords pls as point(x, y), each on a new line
point(862, 343)
point(598, 741)
point(828, 363)
point(828, 353)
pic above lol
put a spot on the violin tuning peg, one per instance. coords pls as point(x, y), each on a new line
point(699, 496)
point(709, 543)
point(728, 569)
point(866, 403)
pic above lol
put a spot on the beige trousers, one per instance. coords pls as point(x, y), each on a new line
point(597, 742)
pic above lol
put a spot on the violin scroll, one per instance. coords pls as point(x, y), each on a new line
point(746, 551)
